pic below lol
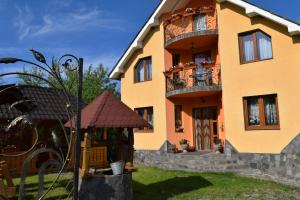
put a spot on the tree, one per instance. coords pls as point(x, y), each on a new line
point(28, 80)
point(95, 81)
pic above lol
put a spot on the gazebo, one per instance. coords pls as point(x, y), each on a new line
point(107, 124)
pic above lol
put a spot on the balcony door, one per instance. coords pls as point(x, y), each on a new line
point(200, 22)
point(200, 71)
point(203, 130)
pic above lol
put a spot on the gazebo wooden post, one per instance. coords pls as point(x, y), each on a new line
point(105, 134)
point(130, 148)
point(86, 144)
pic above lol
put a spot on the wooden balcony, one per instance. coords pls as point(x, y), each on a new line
point(182, 25)
point(191, 80)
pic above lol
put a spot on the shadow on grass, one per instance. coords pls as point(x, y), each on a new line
point(168, 188)
point(31, 189)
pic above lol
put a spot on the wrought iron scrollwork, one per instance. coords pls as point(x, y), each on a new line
point(67, 63)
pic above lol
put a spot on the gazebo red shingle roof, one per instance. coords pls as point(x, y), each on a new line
point(107, 111)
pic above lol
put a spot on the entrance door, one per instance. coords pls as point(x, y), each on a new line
point(203, 131)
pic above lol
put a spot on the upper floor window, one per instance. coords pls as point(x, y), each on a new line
point(143, 70)
point(147, 114)
point(261, 112)
point(255, 46)
point(200, 22)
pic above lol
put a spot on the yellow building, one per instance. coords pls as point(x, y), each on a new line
point(215, 74)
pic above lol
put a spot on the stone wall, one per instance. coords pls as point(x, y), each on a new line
point(283, 167)
point(113, 187)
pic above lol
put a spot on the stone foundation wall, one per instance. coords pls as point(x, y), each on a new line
point(283, 167)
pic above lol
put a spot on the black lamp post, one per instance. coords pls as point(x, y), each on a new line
point(66, 62)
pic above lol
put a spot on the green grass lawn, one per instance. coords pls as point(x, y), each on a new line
point(156, 184)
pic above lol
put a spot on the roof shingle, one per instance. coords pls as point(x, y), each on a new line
point(107, 111)
point(49, 103)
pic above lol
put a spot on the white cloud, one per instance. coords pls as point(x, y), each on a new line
point(108, 60)
point(79, 20)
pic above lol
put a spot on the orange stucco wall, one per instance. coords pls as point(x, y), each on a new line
point(279, 75)
point(188, 104)
point(149, 93)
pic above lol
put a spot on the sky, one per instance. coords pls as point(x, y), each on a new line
point(97, 30)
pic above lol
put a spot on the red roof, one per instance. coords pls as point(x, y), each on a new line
point(107, 111)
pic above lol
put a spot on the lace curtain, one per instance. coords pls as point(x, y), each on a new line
point(264, 46)
point(149, 69)
point(253, 112)
point(270, 111)
point(248, 48)
point(140, 72)
point(200, 22)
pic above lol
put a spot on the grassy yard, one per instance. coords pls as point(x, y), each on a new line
point(156, 184)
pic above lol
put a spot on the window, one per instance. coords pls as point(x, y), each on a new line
point(261, 112)
point(146, 114)
point(255, 46)
point(200, 22)
point(178, 118)
point(143, 70)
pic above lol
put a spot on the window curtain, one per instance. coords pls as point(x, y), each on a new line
point(270, 111)
point(253, 112)
point(150, 116)
point(140, 72)
point(264, 46)
point(149, 69)
point(200, 23)
point(248, 48)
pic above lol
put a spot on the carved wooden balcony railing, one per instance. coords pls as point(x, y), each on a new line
point(181, 25)
point(192, 78)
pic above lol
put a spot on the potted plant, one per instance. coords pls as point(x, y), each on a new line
point(189, 11)
point(184, 143)
point(217, 146)
point(191, 149)
point(180, 83)
point(174, 148)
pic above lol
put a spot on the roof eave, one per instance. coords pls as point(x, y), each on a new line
point(138, 42)
point(252, 11)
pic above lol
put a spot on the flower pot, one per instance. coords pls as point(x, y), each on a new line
point(184, 146)
point(216, 148)
point(117, 167)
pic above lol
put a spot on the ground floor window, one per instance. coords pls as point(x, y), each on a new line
point(178, 118)
point(147, 114)
point(261, 112)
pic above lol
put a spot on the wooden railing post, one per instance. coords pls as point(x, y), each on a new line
point(86, 145)
point(8, 190)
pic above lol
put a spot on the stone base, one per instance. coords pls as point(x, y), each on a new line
point(112, 187)
point(283, 167)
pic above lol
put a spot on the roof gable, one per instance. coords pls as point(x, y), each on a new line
point(107, 111)
point(171, 5)
point(253, 10)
